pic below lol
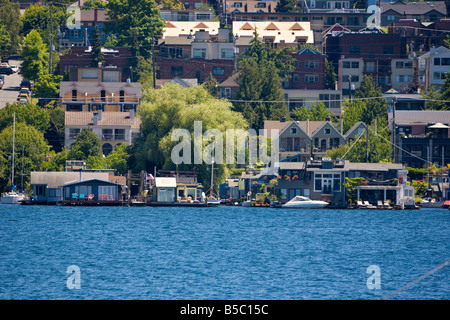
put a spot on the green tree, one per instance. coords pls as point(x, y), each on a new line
point(378, 148)
point(139, 17)
point(5, 40)
point(317, 112)
point(35, 57)
point(432, 97)
point(172, 5)
point(210, 85)
point(260, 83)
point(92, 4)
point(445, 90)
point(37, 17)
point(10, 19)
point(30, 114)
point(47, 86)
point(330, 75)
point(374, 108)
point(87, 144)
point(111, 41)
point(117, 159)
point(287, 6)
point(97, 55)
point(34, 145)
point(352, 113)
point(173, 107)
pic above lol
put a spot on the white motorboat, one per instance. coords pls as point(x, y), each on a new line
point(212, 202)
point(301, 202)
point(12, 197)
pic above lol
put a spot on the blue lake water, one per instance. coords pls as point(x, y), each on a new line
point(221, 253)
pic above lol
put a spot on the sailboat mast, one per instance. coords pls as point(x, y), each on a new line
point(212, 177)
point(14, 141)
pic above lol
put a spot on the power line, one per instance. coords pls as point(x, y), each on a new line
point(439, 267)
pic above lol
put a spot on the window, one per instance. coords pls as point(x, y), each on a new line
point(295, 78)
point(122, 96)
point(327, 131)
point(176, 70)
point(293, 130)
point(175, 52)
point(111, 76)
point(311, 64)
point(354, 78)
point(218, 71)
point(438, 75)
point(355, 64)
point(200, 53)
point(103, 95)
point(403, 78)
point(74, 95)
point(311, 78)
point(442, 61)
point(370, 66)
point(390, 18)
point(202, 16)
point(119, 134)
point(106, 193)
point(227, 53)
point(327, 182)
point(354, 50)
point(89, 74)
point(73, 133)
point(107, 134)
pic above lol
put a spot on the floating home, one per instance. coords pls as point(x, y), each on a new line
point(93, 192)
point(167, 192)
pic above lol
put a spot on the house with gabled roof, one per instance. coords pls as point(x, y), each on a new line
point(279, 33)
point(302, 140)
point(355, 131)
point(112, 128)
point(425, 11)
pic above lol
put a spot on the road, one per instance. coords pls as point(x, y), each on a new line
point(11, 86)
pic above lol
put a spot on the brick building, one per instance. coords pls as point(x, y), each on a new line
point(117, 59)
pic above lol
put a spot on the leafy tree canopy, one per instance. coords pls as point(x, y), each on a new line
point(139, 18)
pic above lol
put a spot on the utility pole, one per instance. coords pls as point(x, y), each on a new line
point(350, 86)
point(394, 100)
point(153, 60)
point(50, 49)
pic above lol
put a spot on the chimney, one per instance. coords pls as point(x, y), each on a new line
point(95, 118)
point(327, 119)
point(283, 119)
point(95, 15)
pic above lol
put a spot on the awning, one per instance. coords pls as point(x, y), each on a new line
point(438, 125)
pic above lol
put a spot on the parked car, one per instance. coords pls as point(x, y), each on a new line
point(24, 93)
point(6, 70)
point(14, 68)
point(25, 84)
point(22, 97)
point(1, 83)
point(4, 64)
